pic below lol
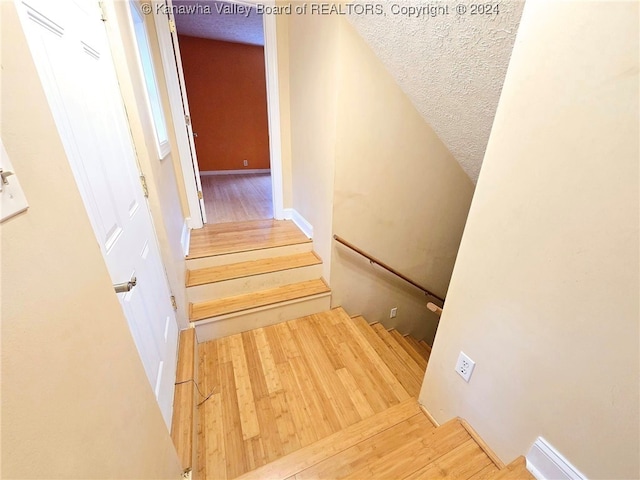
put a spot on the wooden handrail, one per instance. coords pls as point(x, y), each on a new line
point(386, 267)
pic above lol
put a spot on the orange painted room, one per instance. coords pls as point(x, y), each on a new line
point(227, 93)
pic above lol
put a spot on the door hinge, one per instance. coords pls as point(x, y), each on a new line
point(173, 302)
point(187, 119)
point(103, 14)
point(172, 25)
point(145, 189)
point(200, 194)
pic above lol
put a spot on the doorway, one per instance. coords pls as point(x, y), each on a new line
point(223, 62)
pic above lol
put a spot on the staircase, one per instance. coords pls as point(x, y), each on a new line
point(247, 275)
point(327, 396)
point(288, 389)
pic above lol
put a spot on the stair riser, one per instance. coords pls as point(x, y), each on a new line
point(253, 283)
point(236, 323)
point(229, 258)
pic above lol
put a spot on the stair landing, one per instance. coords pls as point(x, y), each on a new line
point(283, 387)
point(312, 398)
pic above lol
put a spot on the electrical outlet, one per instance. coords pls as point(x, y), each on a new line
point(393, 312)
point(245, 163)
point(465, 366)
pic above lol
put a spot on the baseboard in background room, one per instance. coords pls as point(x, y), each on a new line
point(546, 463)
point(236, 172)
point(299, 220)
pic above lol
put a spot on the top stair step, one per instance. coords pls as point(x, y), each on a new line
point(228, 238)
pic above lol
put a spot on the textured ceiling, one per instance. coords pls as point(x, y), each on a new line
point(452, 67)
point(218, 21)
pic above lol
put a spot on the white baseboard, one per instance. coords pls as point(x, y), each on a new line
point(185, 238)
point(546, 463)
point(299, 220)
point(235, 172)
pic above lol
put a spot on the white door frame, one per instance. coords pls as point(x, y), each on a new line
point(173, 74)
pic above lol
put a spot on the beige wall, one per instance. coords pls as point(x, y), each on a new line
point(545, 291)
point(164, 177)
point(76, 402)
point(397, 192)
point(399, 195)
point(313, 60)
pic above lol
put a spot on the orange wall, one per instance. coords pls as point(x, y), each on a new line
point(227, 94)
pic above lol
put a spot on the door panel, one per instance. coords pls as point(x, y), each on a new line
point(69, 46)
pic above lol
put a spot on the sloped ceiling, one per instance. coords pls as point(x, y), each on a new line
point(451, 66)
point(228, 22)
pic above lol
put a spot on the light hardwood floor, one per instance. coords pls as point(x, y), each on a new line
point(224, 238)
point(236, 198)
point(313, 399)
point(283, 387)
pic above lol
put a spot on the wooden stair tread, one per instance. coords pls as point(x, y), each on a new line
point(183, 404)
point(464, 460)
point(223, 306)
point(372, 452)
point(418, 347)
point(225, 238)
point(413, 353)
point(394, 363)
point(391, 342)
point(396, 443)
point(327, 447)
point(516, 470)
point(426, 346)
point(254, 267)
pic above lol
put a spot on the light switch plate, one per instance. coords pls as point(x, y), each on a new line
point(12, 199)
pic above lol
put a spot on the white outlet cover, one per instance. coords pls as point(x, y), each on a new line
point(465, 366)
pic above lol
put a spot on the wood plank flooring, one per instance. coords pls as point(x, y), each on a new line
point(280, 388)
point(226, 238)
point(314, 398)
point(237, 198)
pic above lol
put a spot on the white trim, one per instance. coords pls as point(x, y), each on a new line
point(185, 238)
point(273, 110)
point(235, 172)
point(545, 462)
point(299, 220)
point(187, 161)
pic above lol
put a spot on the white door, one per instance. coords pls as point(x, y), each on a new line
point(70, 49)
point(174, 78)
point(187, 113)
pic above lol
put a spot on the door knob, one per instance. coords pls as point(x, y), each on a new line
point(126, 286)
